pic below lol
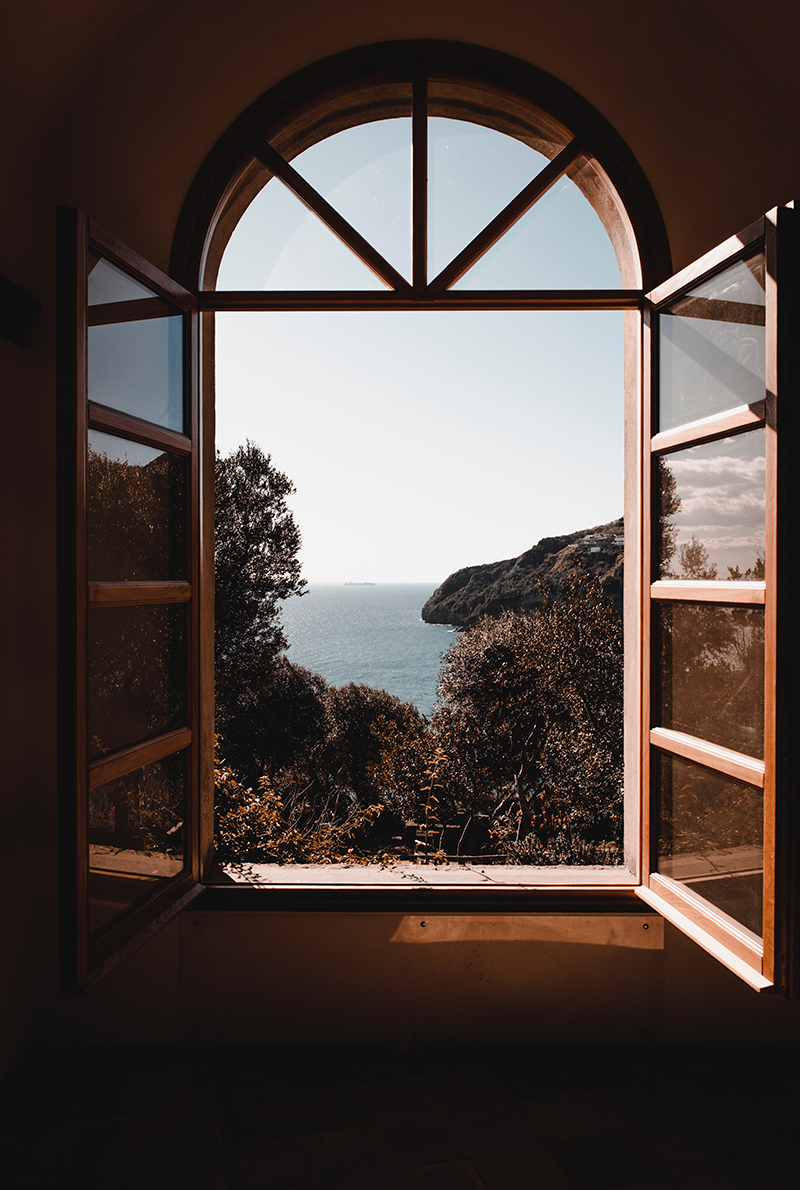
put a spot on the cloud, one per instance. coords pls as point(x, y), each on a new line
point(720, 492)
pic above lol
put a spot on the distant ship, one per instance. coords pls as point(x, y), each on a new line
point(359, 584)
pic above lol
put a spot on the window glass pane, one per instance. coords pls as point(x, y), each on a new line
point(135, 356)
point(279, 244)
point(473, 173)
point(711, 681)
point(560, 243)
point(710, 837)
point(136, 516)
point(136, 674)
point(107, 283)
point(136, 836)
point(365, 174)
point(710, 510)
point(711, 347)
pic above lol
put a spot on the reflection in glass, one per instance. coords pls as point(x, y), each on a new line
point(711, 347)
point(365, 174)
point(136, 674)
point(560, 243)
point(106, 284)
point(711, 676)
point(710, 510)
point(279, 244)
point(135, 356)
point(710, 837)
point(136, 513)
point(135, 836)
point(473, 173)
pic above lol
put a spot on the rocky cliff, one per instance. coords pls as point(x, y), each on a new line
point(495, 587)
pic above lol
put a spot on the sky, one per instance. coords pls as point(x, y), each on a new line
point(423, 441)
point(721, 487)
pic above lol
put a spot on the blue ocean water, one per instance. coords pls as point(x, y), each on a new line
point(372, 635)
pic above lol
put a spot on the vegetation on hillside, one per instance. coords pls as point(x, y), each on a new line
point(520, 761)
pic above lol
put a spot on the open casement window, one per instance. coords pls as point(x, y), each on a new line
point(717, 859)
point(430, 194)
point(708, 609)
point(128, 639)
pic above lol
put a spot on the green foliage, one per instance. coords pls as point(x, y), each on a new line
point(669, 504)
point(252, 827)
point(142, 811)
point(255, 553)
point(270, 712)
point(754, 573)
point(694, 561)
point(527, 741)
point(255, 567)
point(542, 695)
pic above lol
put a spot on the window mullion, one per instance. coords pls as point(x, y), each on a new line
point(106, 768)
point(419, 181)
point(125, 425)
point(335, 222)
point(510, 214)
point(139, 592)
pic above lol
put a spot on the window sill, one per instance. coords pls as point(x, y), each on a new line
point(432, 875)
point(460, 888)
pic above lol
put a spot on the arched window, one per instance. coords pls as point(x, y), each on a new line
point(431, 177)
point(428, 184)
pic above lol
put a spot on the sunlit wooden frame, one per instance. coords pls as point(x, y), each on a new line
point(770, 961)
point(419, 81)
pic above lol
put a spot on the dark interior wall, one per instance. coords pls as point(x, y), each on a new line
point(707, 107)
point(112, 106)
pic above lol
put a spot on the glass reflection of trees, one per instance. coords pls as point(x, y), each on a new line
point(710, 837)
point(142, 811)
point(137, 674)
point(136, 512)
point(710, 510)
point(136, 530)
point(711, 680)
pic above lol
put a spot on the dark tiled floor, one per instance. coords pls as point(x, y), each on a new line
point(258, 1118)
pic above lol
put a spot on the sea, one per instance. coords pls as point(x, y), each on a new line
point(371, 634)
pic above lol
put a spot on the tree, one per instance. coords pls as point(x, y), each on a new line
point(543, 693)
point(337, 772)
point(669, 504)
point(255, 558)
point(270, 713)
point(263, 705)
point(695, 562)
point(754, 573)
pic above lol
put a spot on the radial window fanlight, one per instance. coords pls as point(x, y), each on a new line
point(432, 187)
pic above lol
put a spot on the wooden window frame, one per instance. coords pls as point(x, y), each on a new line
point(85, 958)
point(206, 226)
point(193, 263)
point(772, 963)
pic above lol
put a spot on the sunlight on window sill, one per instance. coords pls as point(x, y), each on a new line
point(406, 874)
point(638, 932)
